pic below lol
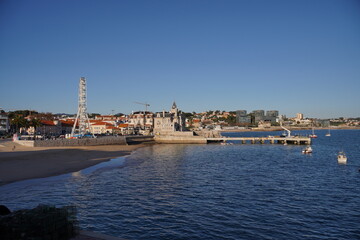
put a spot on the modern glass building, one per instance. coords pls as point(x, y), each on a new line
point(242, 117)
point(272, 115)
point(259, 115)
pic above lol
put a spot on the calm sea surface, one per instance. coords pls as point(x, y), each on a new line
point(213, 191)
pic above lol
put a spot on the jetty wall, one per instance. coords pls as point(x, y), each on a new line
point(180, 139)
point(139, 139)
point(118, 140)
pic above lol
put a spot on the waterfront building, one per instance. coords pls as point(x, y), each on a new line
point(106, 117)
point(141, 121)
point(66, 126)
point(242, 118)
point(196, 123)
point(299, 116)
point(169, 122)
point(47, 127)
point(101, 127)
point(259, 115)
point(51, 128)
point(272, 115)
point(126, 129)
point(112, 119)
point(4, 123)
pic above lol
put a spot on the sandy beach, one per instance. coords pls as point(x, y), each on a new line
point(20, 163)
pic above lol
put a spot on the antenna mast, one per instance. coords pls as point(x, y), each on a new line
point(81, 116)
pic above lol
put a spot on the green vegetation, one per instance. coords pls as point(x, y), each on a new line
point(189, 115)
point(337, 123)
point(231, 119)
point(92, 115)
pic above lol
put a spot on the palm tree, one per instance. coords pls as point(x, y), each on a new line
point(18, 121)
point(35, 123)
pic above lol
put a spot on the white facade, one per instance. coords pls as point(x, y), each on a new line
point(141, 120)
point(299, 116)
point(167, 122)
point(4, 123)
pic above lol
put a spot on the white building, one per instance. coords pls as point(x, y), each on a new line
point(299, 116)
point(169, 122)
point(4, 123)
point(141, 120)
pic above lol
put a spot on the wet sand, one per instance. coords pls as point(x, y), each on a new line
point(21, 163)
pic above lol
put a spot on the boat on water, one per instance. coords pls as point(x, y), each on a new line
point(307, 150)
point(313, 135)
point(342, 157)
point(328, 134)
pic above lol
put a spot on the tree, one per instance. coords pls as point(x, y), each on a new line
point(188, 115)
point(35, 123)
point(45, 116)
point(18, 122)
point(231, 119)
point(93, 115)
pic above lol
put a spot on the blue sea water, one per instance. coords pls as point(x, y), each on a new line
point(240, 191)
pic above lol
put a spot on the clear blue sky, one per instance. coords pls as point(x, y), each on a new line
point(292, 56)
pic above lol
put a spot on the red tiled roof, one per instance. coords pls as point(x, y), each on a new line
point(111, 127)
point(94, 121)
point(68, 123)
point(101, 124)
point(47, 123)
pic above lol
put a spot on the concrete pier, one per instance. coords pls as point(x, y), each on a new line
point(263, 140)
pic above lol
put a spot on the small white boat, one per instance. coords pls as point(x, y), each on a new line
point(342, 158)
point(313, 135)
point(328, 134)
point(307, 150)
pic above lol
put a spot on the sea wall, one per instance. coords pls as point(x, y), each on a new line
point(176, 134)
point(139, 139)
point(180, 139)
point(26, 143)
point(118, 140)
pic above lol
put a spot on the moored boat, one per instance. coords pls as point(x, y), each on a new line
point(307, 150)
point(328, 134)
point(342, 158)
point(313, 135)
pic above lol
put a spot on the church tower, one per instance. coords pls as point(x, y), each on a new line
point(174, 109)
